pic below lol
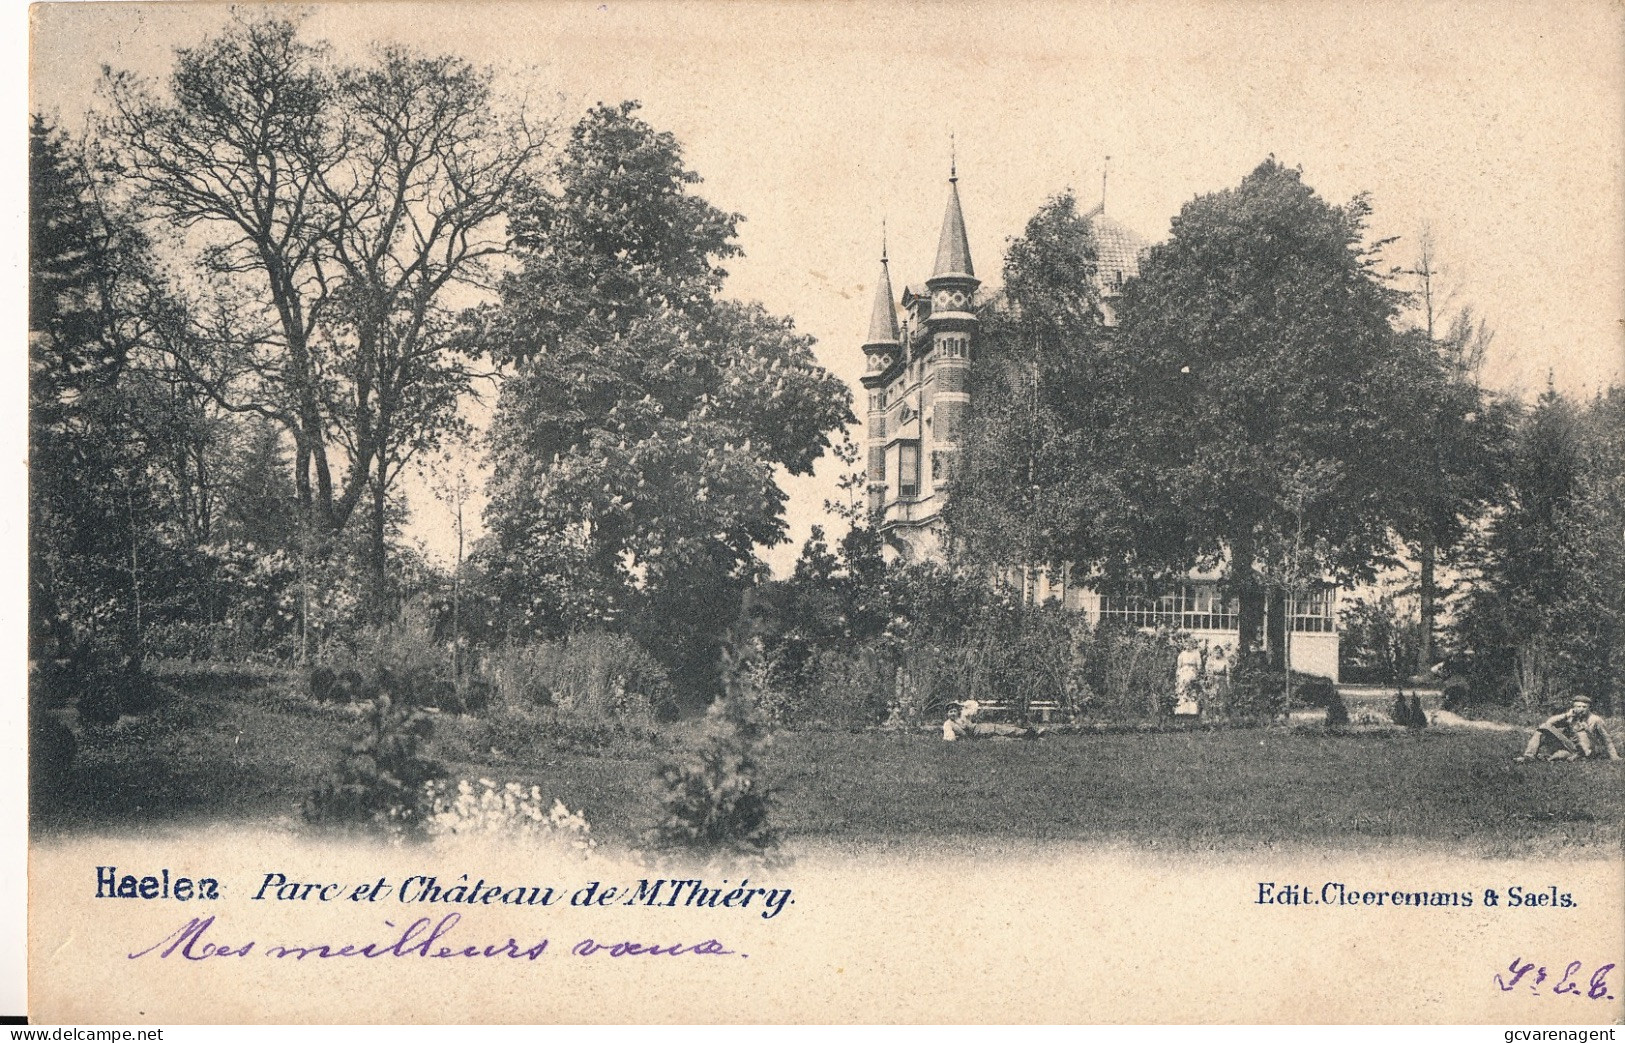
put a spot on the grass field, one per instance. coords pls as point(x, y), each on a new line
point(247, 750)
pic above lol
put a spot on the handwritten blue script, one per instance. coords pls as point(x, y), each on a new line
point(1572, 982)
point(424, 937)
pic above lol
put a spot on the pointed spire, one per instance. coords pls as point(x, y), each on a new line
point(883, 319)
point(953, 247)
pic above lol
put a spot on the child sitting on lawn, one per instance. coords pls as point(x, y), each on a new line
point(1578, 734)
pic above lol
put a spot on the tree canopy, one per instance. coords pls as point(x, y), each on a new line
point(636, 440)
point(103, 520)
point(1261, 338)
point(1544, 607)
point(1055, 469)
point(332, 211)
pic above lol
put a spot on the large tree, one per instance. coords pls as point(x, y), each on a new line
point(635, 443)
point(1043, 481)
point(1465, 432)
point(1269, 393)
point(1589, 622)
point(1544, 611)
point(339, 215)
point(104, 525)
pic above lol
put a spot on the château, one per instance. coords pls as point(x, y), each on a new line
point(917, 389)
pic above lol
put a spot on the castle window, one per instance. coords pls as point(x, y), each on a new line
point(942, 466)
point(908, 469)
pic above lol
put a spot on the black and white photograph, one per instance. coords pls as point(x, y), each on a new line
point(823, 513)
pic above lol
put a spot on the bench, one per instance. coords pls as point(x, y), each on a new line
point(1041, 710)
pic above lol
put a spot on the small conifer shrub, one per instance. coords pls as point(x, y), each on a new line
point(382, 778)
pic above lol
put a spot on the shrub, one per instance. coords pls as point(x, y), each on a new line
point(906, 687)
point(778, 691)
point(1313, 690)
point(591, 675)
point(52, 749)
point(1128, 674)
point(1380, 639)
point(475, 693)
point(518, 674)
point(854, 690)
point(1337, 711)
point(100, 683)
point(401, 659)
point(1255, 692)
point(406, 648)
point(405, 659)
point(322, 683)
point(714, 799)
point(381, 779)
point(510, 812)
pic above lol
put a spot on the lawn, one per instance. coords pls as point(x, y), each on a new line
point(241, 748)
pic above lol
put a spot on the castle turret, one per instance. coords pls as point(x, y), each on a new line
point(917, 380)
point(882, 350)
point(951, 326)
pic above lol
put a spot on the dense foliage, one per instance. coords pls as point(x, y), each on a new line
point(1543, 613)
point(1049, 396)
point(333, 214)
point(1258, 409)
point(1273, 388)
point(635, 444)
point(107, 553)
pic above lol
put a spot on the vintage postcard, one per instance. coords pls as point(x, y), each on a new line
point(796, 512)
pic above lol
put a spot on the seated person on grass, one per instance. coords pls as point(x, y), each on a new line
point(1577, 734)
point(960, 726)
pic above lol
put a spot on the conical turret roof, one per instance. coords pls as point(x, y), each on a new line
point(953, 248)
point(883, 319)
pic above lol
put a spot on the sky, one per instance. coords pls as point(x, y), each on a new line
point(1498, 126)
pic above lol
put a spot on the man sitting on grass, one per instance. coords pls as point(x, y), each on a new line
point(1577, 735)
point(960, 726)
